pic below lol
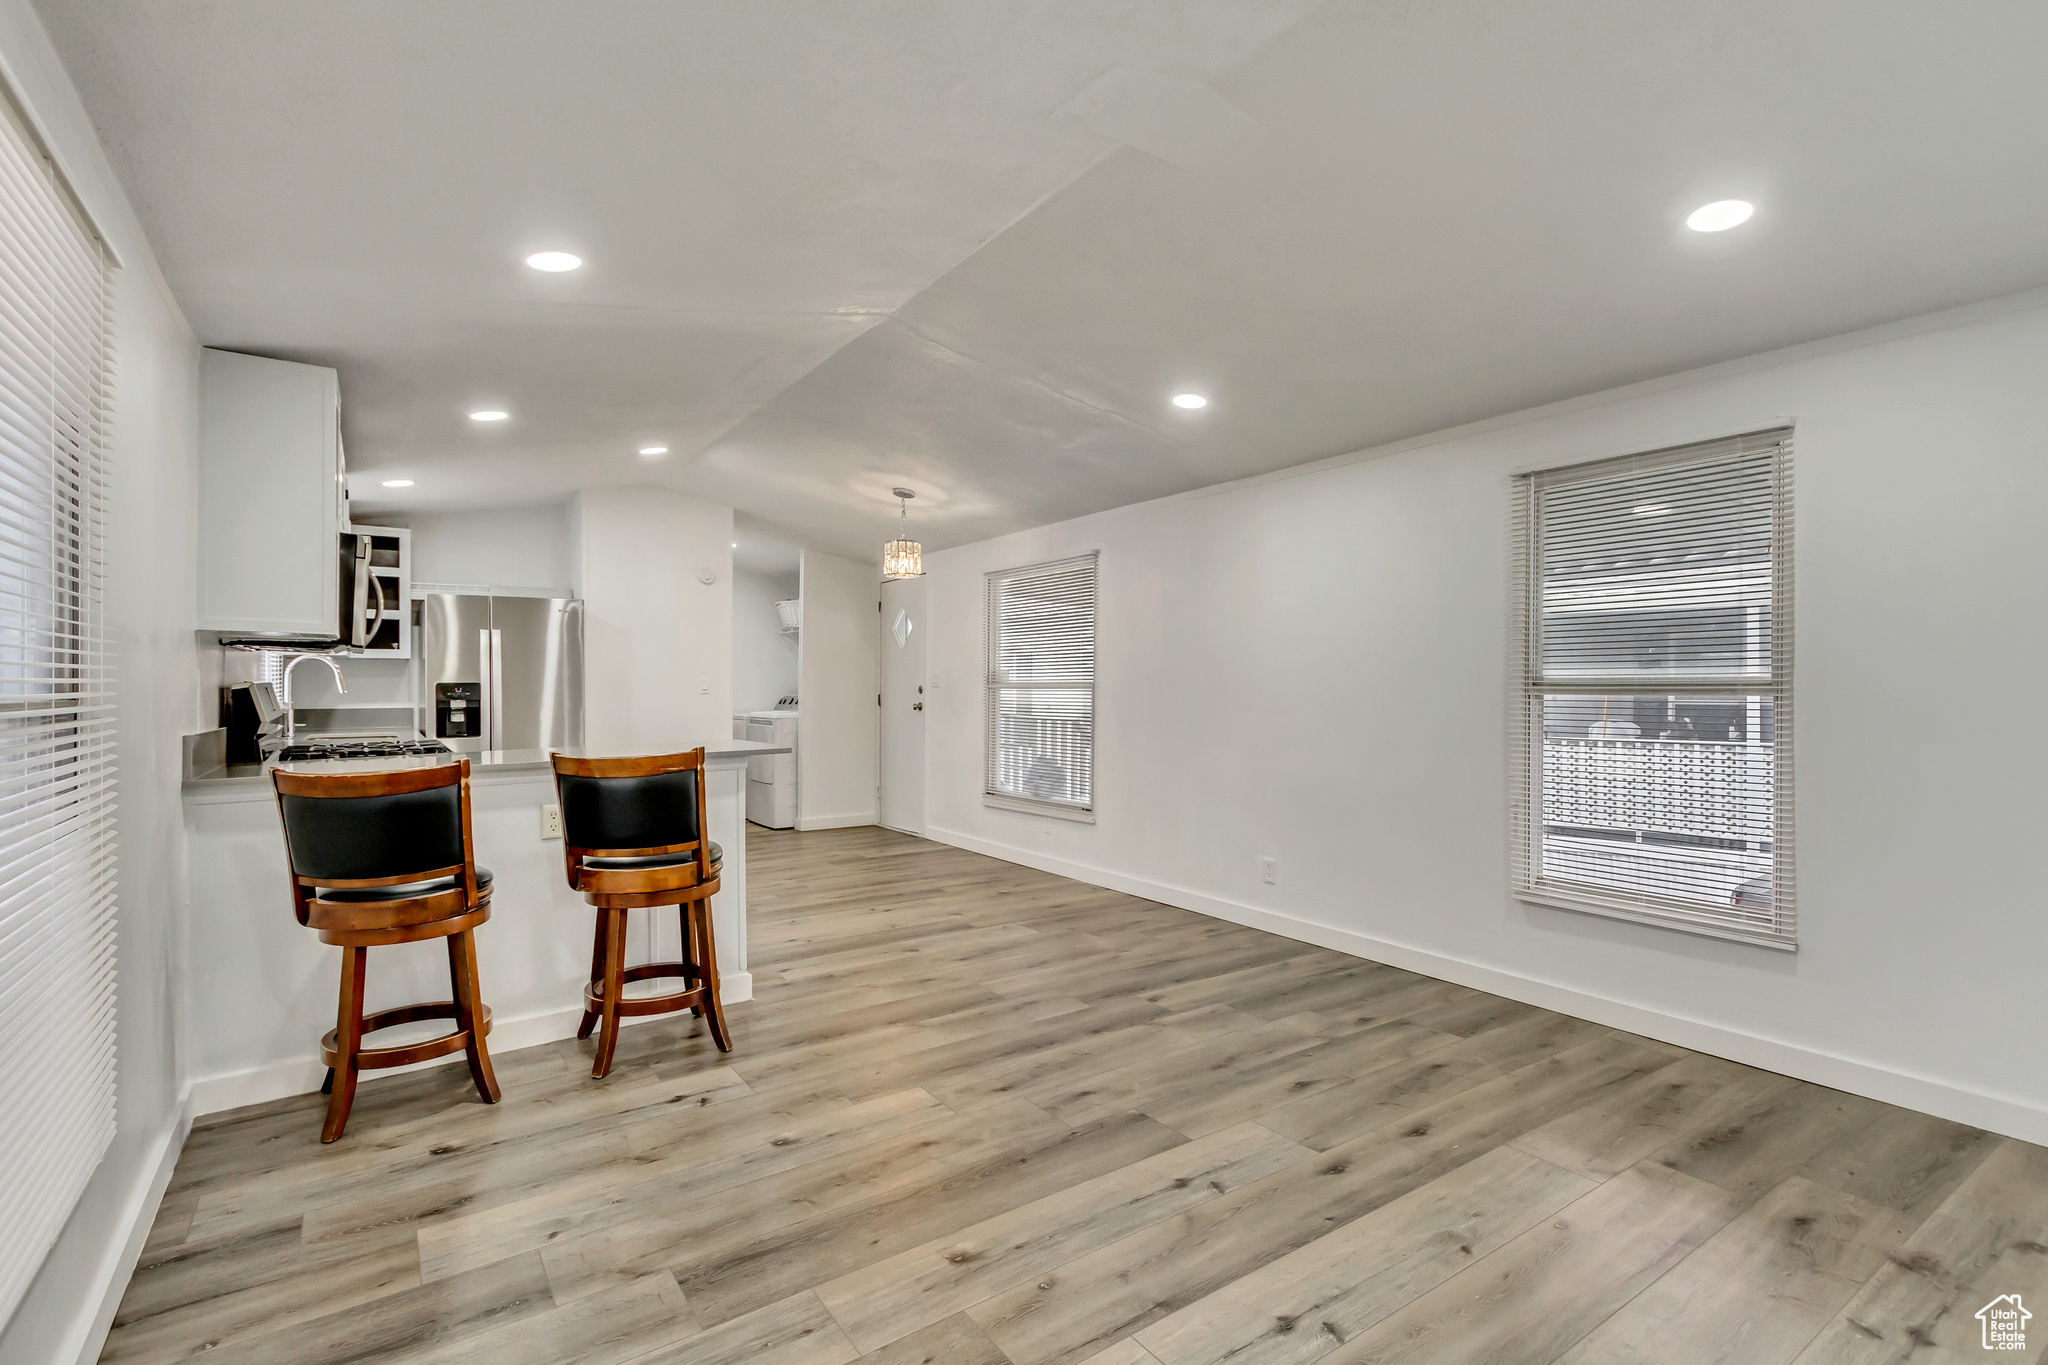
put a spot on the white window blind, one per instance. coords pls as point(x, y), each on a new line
point(1040, 627)
point(56, 711)
point(1652, 715)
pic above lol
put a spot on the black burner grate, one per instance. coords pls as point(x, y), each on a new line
point(359, 748)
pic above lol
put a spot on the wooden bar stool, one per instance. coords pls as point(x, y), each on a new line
point(634, 837)
point(386, 857)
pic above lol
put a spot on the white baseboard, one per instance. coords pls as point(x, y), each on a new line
point(862, 817)
point(2005, 1114)
point(301, 1075)
point(88, 1335)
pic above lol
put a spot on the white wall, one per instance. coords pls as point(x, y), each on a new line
point(763, 658)
point(839, 670)
point(512, 547)
point(657, 660)
point(150, 592)
point(1312, 665)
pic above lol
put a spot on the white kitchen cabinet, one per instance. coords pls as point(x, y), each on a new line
point(271, 498)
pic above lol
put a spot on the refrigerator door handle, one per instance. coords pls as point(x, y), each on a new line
point(495, 723)
point(487, 674)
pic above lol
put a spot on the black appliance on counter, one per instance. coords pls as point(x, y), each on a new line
point(248, 710)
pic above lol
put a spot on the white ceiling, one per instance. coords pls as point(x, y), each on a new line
point(972, 246)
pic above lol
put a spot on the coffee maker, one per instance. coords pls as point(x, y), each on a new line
point(249, 712)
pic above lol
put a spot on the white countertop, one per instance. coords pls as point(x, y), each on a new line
point(251, 781)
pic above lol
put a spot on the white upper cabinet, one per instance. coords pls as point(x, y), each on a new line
point(271, 498)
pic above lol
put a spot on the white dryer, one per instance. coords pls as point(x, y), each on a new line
point(771, 778)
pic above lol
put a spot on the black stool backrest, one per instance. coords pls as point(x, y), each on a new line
point(629, 808)
point(657, 810)
point(375, 828)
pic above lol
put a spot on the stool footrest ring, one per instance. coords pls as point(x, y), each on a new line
point(593, 992)
point(375, 1058)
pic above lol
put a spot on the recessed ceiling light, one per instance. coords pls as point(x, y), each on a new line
point(554, 262)
point(1720, 215)
point(398, 483)
point(488, 415)
point(651, 451)
point(735, 545)
point(1190, 400)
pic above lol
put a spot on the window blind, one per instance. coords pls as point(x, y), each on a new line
point(1040, 625)
point(1652, 712)
point(56, 711)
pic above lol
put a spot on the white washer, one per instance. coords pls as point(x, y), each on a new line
point(771, 778)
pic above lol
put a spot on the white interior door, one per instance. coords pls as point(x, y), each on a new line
point(903, 705)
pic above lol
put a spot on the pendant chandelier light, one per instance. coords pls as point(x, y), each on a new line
point(903, 557)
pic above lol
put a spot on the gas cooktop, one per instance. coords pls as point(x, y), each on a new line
point(359, 748)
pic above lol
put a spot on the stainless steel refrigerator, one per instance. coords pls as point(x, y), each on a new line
point(502, 672)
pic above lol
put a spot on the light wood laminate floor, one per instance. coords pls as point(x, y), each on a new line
point(980, 1114)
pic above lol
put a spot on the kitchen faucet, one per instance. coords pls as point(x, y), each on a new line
point(291, 716)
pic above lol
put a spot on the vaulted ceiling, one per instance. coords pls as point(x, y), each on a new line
point(972, 247)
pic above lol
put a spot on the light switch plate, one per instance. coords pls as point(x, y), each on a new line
point(550, 822)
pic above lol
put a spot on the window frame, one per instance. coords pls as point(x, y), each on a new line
point(1529, 685)
point(992, 796)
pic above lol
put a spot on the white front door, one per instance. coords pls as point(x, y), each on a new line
point(903, 705)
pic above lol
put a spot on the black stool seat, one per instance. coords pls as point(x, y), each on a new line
point(652, 860)
point(403, 891)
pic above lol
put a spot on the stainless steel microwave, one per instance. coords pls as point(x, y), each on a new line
point(372, 592)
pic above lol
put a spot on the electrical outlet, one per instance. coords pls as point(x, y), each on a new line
point(550, 822)
point(1269, 870)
